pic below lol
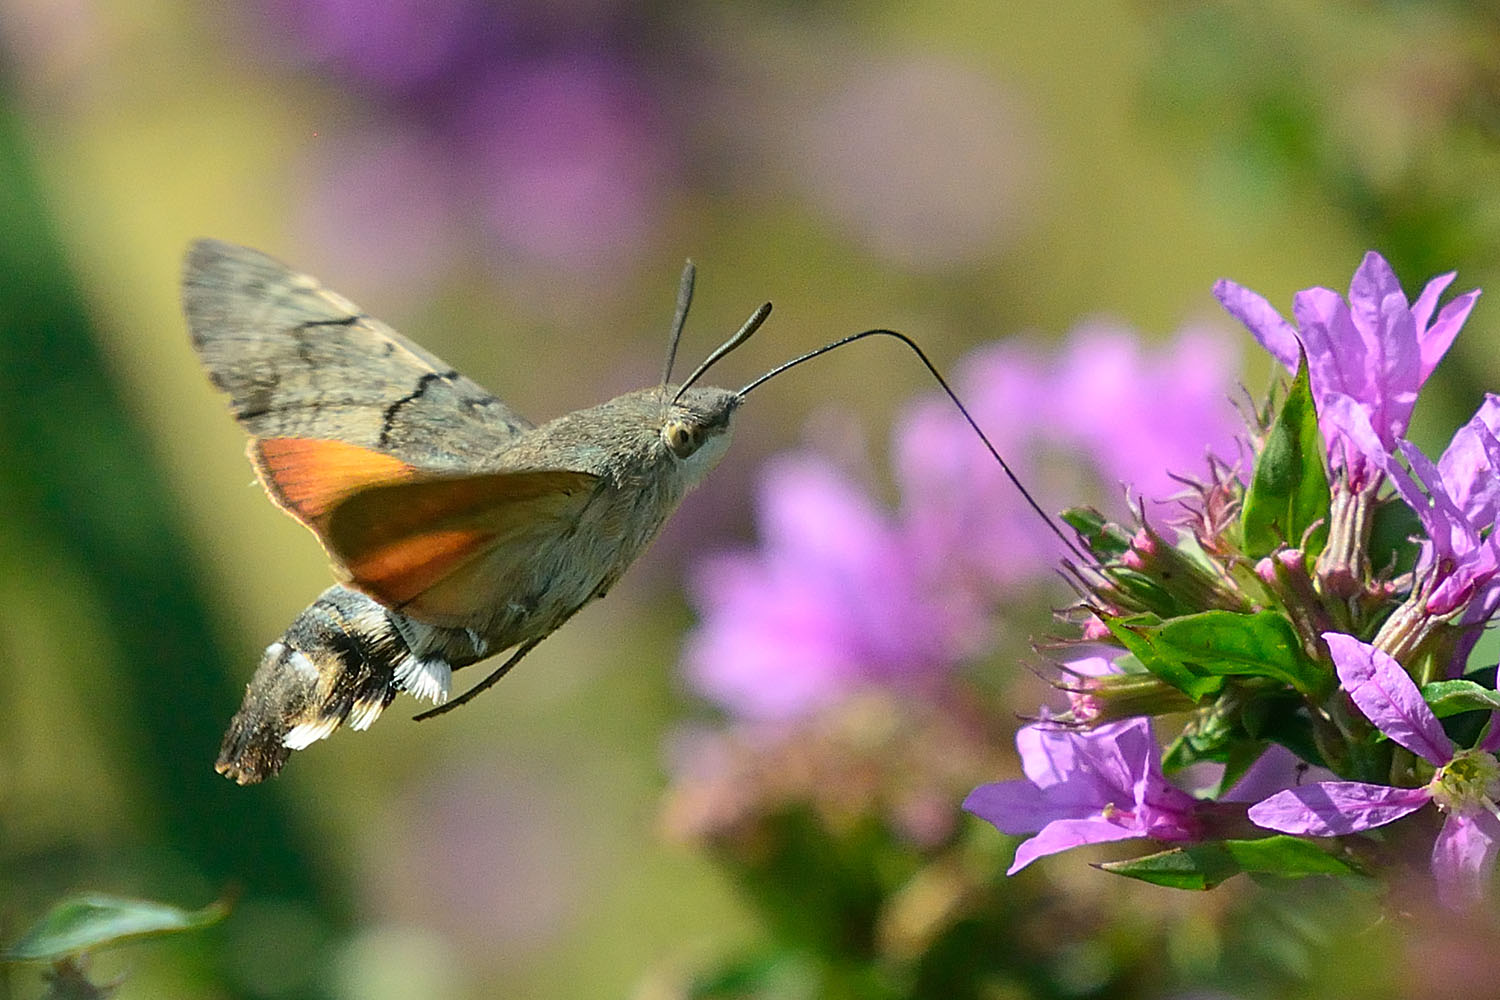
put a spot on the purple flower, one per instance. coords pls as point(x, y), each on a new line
point(569, 160)
point(1135, 416)
point(1086, 788)
point(834, 599)
point(531, 132)
point(955, 500)
point(375, 239)
point(1143, 416)
point(394, 44)
point(1377, 349)
point(1463, 786)
point(1455, 500)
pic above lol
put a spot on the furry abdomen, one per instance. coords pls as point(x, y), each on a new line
point(345, 657)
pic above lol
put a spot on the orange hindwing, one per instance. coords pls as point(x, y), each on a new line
point(309, 477)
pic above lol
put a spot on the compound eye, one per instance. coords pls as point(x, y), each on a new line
point(681, 437)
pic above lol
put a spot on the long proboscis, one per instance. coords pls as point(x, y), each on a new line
point(932, 369)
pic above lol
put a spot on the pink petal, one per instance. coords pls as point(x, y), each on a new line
point(1276, 769)
point(1338, 356)
point(1332, 808)
point(1091, 666)
point(1346, 426)
point(1435, 341)
point(1463, 857)
point(1471, 461)
point(1013, 807)
point(1081, 771)
point(1388, 697)
point(1047, 753)
point(1465, 536)
point(1067, 833)
point(1275, 334)
point(1461, 588)
point(1437, 517)
point(1395, 371)
point(1373, 283)
point(1491, 740)
point(1421, 310)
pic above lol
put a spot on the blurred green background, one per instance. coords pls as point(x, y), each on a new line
point(515, 186)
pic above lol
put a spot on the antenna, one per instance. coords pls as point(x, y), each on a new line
point(751, 325)
point(679, 318)
point(1015, 481)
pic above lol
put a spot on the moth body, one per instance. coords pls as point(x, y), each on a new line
point(458, 529)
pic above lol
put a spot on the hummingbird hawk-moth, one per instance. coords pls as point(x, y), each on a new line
point(458, 529)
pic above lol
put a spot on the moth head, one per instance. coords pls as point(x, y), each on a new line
point(696, 428)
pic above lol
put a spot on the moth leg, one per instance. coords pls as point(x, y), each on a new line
point(483, 685)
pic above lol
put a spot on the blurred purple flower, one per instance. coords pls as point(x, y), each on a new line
point(1086, 788)
point(539, 126)
point(512, 873)
point(1138, 417)
point(955, 501)
point(834, 599)
point(1464, 785)
point(1145, 416)
point(392, 44)
point(568, 159)
point(1375, 349)
point(841, 595)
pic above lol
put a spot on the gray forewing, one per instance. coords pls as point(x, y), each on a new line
point(298, 360)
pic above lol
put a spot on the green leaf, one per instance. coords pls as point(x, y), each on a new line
point(93, 921)
point(1393, 528)
point(1102, 537)
point(1140, 591)
point(1137, 635)
point(1287, 857)
point(1195, 652)
point(1447, 698)
point(1289, 488)
point(1283, 718)
point(1229, 644)
point(1203, 866)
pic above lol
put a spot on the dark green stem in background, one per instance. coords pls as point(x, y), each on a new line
point(78, 479)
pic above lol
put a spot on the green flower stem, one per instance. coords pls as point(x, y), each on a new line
point(1414, 637)
point(1344, 565)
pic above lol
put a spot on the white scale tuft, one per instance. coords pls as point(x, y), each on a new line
point(429, 679)
point(364, 713)
point(305, 734)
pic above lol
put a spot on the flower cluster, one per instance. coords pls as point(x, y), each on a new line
point(1299, 615)
point(858, 657)
point(1324, 603)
